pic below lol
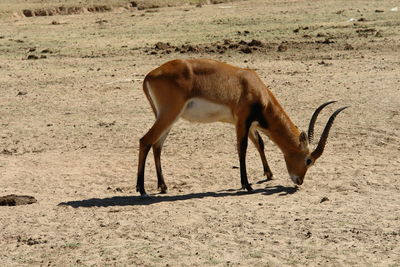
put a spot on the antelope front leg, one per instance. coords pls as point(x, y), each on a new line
point(259, 144)
point(242, 133)
point(143, 151)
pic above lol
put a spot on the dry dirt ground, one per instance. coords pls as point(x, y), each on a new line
point(72, 112)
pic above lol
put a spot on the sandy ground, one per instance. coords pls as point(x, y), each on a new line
point(70, 124)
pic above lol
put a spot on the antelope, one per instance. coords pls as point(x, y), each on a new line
point(204, 90)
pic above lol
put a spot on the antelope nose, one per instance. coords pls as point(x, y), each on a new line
point(295, 179)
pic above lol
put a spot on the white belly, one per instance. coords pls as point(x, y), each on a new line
point(200, 110)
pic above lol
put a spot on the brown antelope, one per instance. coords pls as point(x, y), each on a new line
point(202, 90)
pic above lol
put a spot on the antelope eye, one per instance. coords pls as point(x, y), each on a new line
point(308, 162)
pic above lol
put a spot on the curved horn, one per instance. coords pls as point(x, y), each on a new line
point(310, 133)
point(324, 137)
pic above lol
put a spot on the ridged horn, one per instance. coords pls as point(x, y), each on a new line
point(324, 137)
point(314, 117)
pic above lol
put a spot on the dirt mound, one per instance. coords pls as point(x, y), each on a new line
point(219, 47)
point(14, 200)
point(62, 10)
point(241, 46)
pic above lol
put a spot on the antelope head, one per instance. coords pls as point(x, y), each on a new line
point(298, 162)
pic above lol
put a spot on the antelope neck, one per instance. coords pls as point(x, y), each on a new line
point(283, 132)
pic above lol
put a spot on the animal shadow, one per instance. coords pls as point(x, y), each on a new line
point(157, 198)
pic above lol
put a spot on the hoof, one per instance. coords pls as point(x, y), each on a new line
point(269, 176)
point(141, 191)
point(163, 189)
point(248, 188)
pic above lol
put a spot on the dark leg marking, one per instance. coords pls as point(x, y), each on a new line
point(242, 134)
point(157, 147)
point(144, 150)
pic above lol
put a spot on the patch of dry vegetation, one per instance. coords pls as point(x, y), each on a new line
point(64, 7)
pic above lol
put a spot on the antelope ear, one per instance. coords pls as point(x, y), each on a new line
point(303, 141)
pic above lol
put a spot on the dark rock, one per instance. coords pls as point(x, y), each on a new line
point(324, 199)
point(27, 13)
point(15, 200)
point(282, 48)
point(30, 57)
point(246, 50)
point(255, 43)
